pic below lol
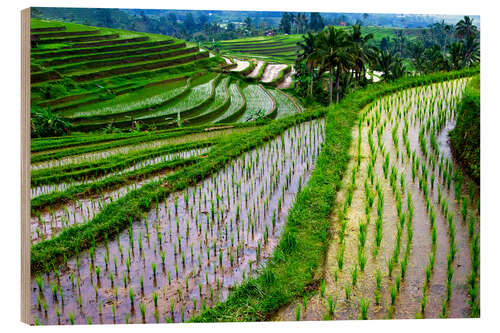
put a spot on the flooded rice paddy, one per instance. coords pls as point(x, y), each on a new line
point(190, 250)
point(406, 229)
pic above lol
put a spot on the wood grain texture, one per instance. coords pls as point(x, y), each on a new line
point(25, 166)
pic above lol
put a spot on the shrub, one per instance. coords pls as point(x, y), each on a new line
point(465, 137)
point(45, 123)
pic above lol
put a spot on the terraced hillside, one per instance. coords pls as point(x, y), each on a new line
point(99, 78)
point(173, 195)
point(229, 219)
point(280, 49)
point(283, 48)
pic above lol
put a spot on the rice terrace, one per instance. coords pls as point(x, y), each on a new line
point(206, 166)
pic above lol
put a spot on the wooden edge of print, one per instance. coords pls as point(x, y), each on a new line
point(25, 166)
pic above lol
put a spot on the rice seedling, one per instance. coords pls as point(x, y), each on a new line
point(297, 313)
point(471, 225)
point(361, 259)
point(423, 303)
point(354, 275)
point(39, 282)
point(464, 208)
point(362, 234)
point(364, 305)
point(332, 304)
point(142, 308)
point(390, 266)
point(340, 257)
point(444, 309)
point(393, 294)
point(322, 288)
point(155, 299)
point(347, 290)
point(131, 296)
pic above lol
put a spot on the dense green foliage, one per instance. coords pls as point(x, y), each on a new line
point(347, 54)
point(46, 123)
point(206, 25)
point(465, 137)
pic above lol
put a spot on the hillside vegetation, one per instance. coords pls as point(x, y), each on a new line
point(465, 137)
point(88, 78)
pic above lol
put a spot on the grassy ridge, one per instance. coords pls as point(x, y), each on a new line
point(99, 141)
point(465, 137)
point(114, 163)
point(300, 253)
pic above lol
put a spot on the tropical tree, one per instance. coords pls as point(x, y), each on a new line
point(301, 21)
point(465, 29)
point(456, 51)
point(470, 51)
point(400, 41)
point(334, 50)
point(435, 59)
point(391, 66)
point(309, 53)
point(363, 53)
point(416, 50)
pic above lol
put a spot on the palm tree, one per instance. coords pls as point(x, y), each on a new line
point(456, 51)
point(416, 50)
point(301, 20)
point(310, 55)
point(435, 59)
point(398, 69)
point(449, 30)
point(470, 51)
point(363, 53)
point(385, 63)
point(391, 66)
point(465, 29)
point(334, 51)
point(400, 40)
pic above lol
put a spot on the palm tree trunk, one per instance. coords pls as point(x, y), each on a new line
point(330, 84)
point(337, 83)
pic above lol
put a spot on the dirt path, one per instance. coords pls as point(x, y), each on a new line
point(272, 71)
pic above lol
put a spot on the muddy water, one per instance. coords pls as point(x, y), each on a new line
point(49, 188)
point(241, 65)
point(271, 71)
point(257, 68)
point(418, 106)
point(53, 220)
point(206, 244)
point(288, 79)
